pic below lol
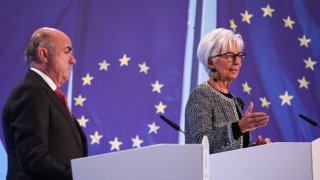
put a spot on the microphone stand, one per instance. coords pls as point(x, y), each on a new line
point(171, 123)
point(312, 122)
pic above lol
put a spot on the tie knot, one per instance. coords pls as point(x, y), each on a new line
point(62, 97)
point(59, 93)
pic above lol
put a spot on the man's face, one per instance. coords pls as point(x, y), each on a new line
point(60, 59)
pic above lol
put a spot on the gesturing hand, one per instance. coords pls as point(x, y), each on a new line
point(252, 120)
point(261, 141)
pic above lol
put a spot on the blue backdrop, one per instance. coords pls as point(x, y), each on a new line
point(129, 64)
point(129, 72)
point(281, 74)
point(130, 58)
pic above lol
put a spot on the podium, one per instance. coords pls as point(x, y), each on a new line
point(158, 162)
point(276, 161)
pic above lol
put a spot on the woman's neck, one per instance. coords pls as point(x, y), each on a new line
point(221, 86)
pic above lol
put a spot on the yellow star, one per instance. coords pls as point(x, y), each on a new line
point(144, 68)
point(246, 17)
point(264, 102)
point(233, 25)
point(153, 128)
point(310, 63)
point(288, 22)
point(303, 83)
point(246, 87)
point(156, 87)
point(95, 139)
point(79, 100)
point(160, 107)
point(136, 142)
point(124, 60)
point(104, 65)
point(267, 11)
point(304, 41)
point(87, 79)
point(83, 121)
point(115, 144)
point(286, 99)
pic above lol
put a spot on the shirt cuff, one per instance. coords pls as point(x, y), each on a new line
point(236, 130)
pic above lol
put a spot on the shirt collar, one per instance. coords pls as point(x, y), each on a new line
point(46, 78)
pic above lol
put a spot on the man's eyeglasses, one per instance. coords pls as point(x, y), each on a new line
point(231, 57)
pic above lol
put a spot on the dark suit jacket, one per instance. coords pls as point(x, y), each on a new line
point(40, 133)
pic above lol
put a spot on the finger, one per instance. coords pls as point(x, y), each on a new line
point(267, 140)
point(261, 123)
point(257, 114)
point(257, 122)
point(261, 119)
point(259, 137)
point(259, 140)
point(249, 109)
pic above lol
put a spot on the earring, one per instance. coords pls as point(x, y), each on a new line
point(215, 74)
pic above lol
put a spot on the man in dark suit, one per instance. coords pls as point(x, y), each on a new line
point(41, 134)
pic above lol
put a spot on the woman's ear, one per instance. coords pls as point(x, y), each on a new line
point(215, 74)
point(211, 64)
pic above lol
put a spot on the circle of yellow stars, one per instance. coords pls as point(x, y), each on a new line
point(116, 143)
point(267, 12)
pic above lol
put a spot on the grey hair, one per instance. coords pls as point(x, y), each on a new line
point(37, 40)
point(216, 42)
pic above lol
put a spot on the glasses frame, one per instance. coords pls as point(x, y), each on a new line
point(228, 55)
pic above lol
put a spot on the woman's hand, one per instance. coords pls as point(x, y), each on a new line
point(252, 120)
point(261, 141)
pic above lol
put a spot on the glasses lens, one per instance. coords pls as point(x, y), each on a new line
point(242, 55)
point(230, 55)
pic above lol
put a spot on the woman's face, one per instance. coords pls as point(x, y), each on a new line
point(228, 64)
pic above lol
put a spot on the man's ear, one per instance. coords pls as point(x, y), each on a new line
point(42, 54)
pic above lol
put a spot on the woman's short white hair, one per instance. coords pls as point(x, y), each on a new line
point(217, 42)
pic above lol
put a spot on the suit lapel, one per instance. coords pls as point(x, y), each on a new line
point(83, 137)
point(69, 118)
point(55, 99)
point(64, 110)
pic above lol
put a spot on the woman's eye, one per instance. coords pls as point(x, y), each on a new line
point(229, 55)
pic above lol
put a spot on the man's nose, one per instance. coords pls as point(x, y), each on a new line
point(73, 59)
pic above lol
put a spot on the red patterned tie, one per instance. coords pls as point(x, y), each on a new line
point(62, 98)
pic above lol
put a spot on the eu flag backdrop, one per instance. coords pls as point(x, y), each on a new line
point(129, 72)
point(281, 74)
point(130, 57)
point(130, 63)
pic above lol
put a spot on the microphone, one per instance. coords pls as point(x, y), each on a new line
point(172, 124)
point(312, 122)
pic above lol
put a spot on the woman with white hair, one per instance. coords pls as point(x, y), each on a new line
point(211, 109)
